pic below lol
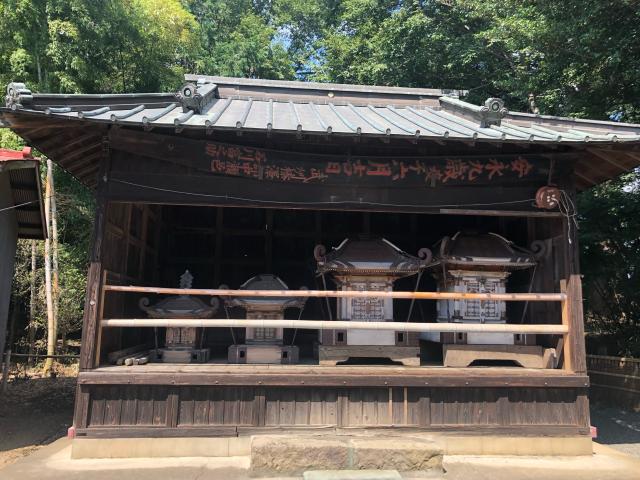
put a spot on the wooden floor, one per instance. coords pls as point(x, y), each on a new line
point(347, 375)
point(214, 400)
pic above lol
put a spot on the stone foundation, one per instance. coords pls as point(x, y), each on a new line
point(298, 452)
point(280, 455)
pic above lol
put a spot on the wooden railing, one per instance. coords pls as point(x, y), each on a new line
point(570, 299)
point(336, 325)
point(212, 292)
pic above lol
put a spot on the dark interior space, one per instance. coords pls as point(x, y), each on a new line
point(227, 246)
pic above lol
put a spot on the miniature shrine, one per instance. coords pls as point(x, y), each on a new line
point(367, 265)
point(481, 263)
point(264, 344)
point(230, 178)
point(183, 344)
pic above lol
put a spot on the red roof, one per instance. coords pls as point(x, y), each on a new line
point(6, 155)
point(24, 182)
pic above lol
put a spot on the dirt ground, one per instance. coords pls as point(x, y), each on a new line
point(35, 411)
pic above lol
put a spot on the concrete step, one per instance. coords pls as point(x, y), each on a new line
point(352, 475)
point(295, 454)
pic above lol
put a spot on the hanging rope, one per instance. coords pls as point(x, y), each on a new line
point(324, 284)
point(526, 303)
point(233, 335)
point(295, 332)
point(568, 209)
point(413, 300)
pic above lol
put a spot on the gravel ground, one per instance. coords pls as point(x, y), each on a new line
point(617, 428)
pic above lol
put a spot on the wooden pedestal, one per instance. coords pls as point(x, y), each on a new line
point(278, 354)
point(331, 355)
point(524, 355)
point(186, 355)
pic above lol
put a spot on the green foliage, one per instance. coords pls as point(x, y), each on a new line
point(8, 139)
point(249, 51)
point(83, 46)
point(579, 57)
point(238, 40)
point(610, 243)
point(75, 213)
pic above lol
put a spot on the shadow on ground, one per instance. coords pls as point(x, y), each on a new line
point(34, 412)
point(617, 428)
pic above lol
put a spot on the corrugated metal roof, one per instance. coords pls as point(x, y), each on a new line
point(324, 109)
point(70, 129)
point(24, 179)
point(349, 119)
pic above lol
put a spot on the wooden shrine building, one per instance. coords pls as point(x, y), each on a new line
point(462, 218)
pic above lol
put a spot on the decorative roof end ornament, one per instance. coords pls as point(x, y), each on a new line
point(492, 112)
point(533, 106)
point(17, 96)
point(196, 97)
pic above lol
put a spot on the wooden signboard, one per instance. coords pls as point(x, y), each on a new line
point(294, 167)
point(165, 168)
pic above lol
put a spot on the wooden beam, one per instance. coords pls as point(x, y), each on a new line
point(217, 252)
point(90, 327)
point(586, 179)
point(336, 325)
point(635, 156)
point(528, 297)
point(314, 375)
point(30, 122)
point(148, 184)
point(84, 164)
point(606, 156)
point(99, 319)
point(80, 152)
point(499, 213)
point(77, 141)
point(87, 175)
point(28, 132)
point(572, 318)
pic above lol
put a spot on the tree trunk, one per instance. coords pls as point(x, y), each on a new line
point(54, 249)
point(32, 305)
point(51, 333)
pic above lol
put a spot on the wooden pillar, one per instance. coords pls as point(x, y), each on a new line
point(92, 305)
point(217, 253)
point(268, 242)
point(573, 346)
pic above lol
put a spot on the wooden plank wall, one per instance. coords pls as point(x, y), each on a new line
point(130, 256)
point(142, 410)
point(551, 269)
point(614, 380)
